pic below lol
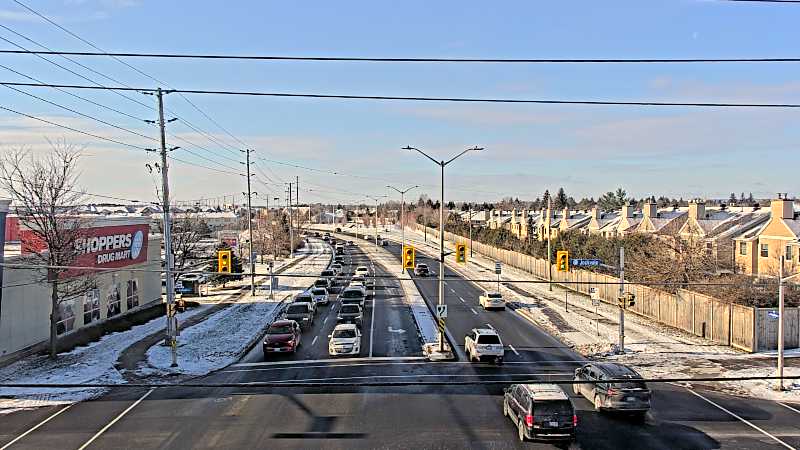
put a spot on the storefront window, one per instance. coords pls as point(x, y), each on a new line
point(114, 298)
point(91, 306)
point(65, 316)
point(133, 294)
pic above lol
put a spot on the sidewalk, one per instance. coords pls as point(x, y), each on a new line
point(651, 348)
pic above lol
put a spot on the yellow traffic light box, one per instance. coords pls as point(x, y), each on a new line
point(224, 261)
point(409, 253)
point(461, 253)
point(562, 261)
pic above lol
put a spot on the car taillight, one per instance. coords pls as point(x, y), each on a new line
point(612, 392)
point(529, 420)
point(574, 420)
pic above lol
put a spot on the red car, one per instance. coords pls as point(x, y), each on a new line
point(283, 336)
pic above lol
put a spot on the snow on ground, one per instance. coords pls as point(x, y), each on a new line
point(651, 348)
point(94, 363)
point(224, 337)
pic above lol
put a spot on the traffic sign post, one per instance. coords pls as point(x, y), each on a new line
point(498, 268)
point(595, 296)
point(441, 311)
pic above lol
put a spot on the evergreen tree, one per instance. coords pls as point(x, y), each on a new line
point(560, 201)
point(732, 199)
point(546, 199)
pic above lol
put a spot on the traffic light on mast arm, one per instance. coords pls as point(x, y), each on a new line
point(224, 261)
point(562, 261)
point(409, 253)
point(461, 253)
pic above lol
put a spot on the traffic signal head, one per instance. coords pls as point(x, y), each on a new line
point(461, 253)
point(224, 261)
point(562, 261)
point(627, 300)
point(408, 257)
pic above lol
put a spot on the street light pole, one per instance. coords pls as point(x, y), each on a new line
point(442, 165)
point(375, 220)
point(402, 216)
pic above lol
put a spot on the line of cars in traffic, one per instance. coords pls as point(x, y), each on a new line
point(285, 334)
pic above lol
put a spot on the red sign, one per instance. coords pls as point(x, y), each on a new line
point(108, 247)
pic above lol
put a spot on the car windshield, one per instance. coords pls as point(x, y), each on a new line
point(280, 329)
point(319, 292)
point(350, 309)
point(303, 299)
point(327, 273)
point(495, 295)
point(352, 293)
point(320, 283)
point(553, 407)
point(344, 334)
point(297, 309)
point(422, 266)
point(488, 339)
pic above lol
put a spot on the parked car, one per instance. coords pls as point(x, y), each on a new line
point(421, 270)
point(484, 344)
point(302, 313)
point(631, 395)
point(320, 295)
point(283, 336)
point(350, 313)
point(540, 412)
point(316, 234)
point(353, 295)
point(345, 340)
point(492, 300)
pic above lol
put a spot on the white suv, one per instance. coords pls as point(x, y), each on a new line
point(484, 344)
point(345, 340)
point(491, 300)
point(362, 271)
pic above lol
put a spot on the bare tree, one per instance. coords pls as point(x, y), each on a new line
point(187, 232)
point(43, 189)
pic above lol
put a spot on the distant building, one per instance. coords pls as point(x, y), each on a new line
point(758, 251)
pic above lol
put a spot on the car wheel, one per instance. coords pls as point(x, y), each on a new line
point(505, 408)
point(521, 429)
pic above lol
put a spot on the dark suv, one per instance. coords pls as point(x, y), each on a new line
point(540, 412)
point(631, 395)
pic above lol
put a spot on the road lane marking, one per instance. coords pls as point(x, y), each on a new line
point(443, 375)
point(745, 421)
point(473, 311)
point(490, 326)
point(371, 323)
point(513, 349)
point(116, 419)
point(314, 341)
point(31, 430)
point(782, 404)
point(299, 363)
point(366, 362)
point(462, 300)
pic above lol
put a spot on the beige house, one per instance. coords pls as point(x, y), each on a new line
point(717, 228)
point(666, 222)
point(603, 223)
point(574, 220)
point(758, 253)
point(629, 220)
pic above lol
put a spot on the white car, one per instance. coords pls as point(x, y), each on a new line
point(492, 300)
point(482, 344)
point(358, 281)
point(345, 340)
point(320, 295)
point(361, 271)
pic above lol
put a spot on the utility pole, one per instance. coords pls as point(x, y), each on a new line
point(621, 306)
point(549, 252)
point(250, 224)
point(172, 320)
point(470, 230)
point(291, 232)
point(402, 216)
point(297, 200)
point(442, 165)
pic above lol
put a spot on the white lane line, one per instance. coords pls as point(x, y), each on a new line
point(31, 430)
point(308, 380)
point(372, 324)
point(462, 300)
point(116, 419)
point(743, 420)
point(473, 311)
point(490, 326)
point(376, 361)
point(314, 341)
point(782, 404)
point(513, 349)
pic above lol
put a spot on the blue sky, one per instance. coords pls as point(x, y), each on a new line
point(681, 152)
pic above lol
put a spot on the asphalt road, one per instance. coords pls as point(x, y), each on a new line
point(349, 416)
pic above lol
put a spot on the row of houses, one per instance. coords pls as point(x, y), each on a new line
point(749, 240)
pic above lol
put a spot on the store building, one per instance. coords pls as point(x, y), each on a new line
point(122, 244)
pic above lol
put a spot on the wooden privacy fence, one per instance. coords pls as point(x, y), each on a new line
point(743, 327)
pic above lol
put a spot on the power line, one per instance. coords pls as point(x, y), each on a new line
point(435, 99)
point(73, 129)
point(127, 130)
point(436, 60)
point(87, 42)
point(204, 167)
